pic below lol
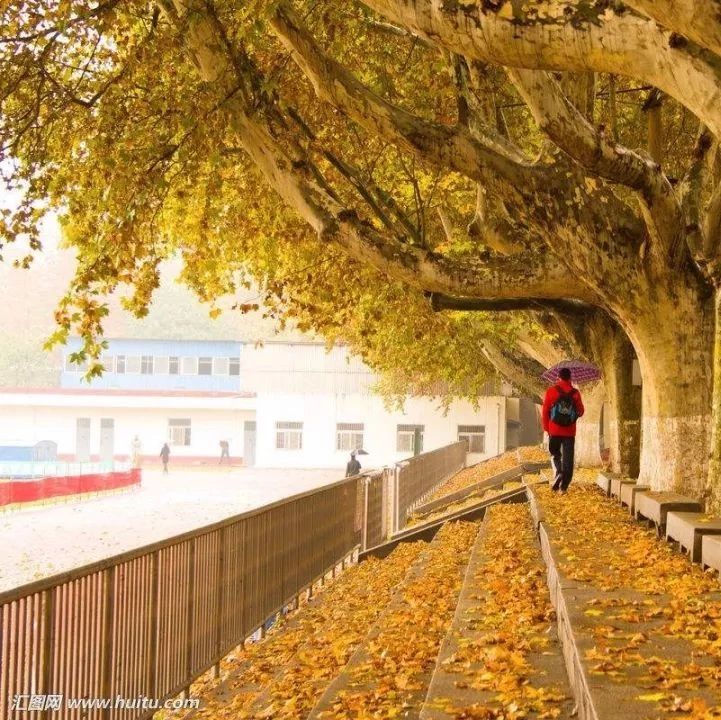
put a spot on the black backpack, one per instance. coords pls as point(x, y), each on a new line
point(563, 411)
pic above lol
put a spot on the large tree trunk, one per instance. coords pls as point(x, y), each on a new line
point(673, 334)
point(615, 354)
point(712, 493)
point(588, 430)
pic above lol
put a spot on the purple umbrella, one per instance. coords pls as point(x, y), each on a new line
point(581, 372)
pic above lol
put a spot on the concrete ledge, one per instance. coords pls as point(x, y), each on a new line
point(536, 510)
point(596, 698)
point(602, 697)
point(617, 484)
point(628, 494)
point(427, 531)
point(603, 480)
point(655, 506)
point(491, 482)
point(534, 467)
point(688, 529)
point(578, 680)
point(711, 552)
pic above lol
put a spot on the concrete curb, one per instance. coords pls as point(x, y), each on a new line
point(578, 680)
point(428, 531)
point(504, 477)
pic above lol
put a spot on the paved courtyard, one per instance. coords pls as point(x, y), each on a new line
point(50, 539)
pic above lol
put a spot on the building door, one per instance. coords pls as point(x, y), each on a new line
point(107, 439)
point(249, 443)
point(82, 440)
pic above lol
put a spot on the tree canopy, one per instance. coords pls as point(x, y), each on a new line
point(559, 158)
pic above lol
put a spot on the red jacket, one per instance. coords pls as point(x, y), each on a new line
point(552, 394)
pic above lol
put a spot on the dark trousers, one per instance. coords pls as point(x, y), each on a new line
point(561, 449)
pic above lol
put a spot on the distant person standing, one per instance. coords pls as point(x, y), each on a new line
point(224, 451)
point(136, 449)
point(353, 467)
point(165, 456)
point(562, 407)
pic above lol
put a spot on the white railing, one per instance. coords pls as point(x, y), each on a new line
point(54, 468)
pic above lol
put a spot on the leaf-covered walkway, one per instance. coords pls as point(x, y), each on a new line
point(646, 622)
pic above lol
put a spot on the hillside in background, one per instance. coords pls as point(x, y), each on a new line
point(29, 297)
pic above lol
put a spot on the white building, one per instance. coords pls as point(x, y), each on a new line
point(289, 405)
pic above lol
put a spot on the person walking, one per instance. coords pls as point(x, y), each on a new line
point(562, 407)
point(136, 450)
point(165, 456)
point(224, 452)
point(353, 467)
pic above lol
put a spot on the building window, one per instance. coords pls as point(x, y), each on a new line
point(205, 366)
point(234, 366)
point(173, 366)
point(220, 366)
point(349, 436)
point(406, 438)
point(475, 437)
point(161, 366)
point(108, 362)
point(146, 365)
point(179, 431)
point(120, 364)
point(71, 366)
point(132, 364)
point(189, 366)
point(289, 435)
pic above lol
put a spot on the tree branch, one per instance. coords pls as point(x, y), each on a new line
point(447, 147)
point(420, 268)
point(599, 154)
point(610, 41)
point(516, 369)
point(440, 302)
point(698, 20)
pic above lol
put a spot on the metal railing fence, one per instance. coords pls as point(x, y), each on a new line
point(149, 621)
point(375, 526)
point(417, 476)
point(146, 623)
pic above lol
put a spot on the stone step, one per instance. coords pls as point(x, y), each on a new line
point(618, 482)
point(299, 656)
point(628, 495)
point(655, 506)
point(711, 552)
point(491, 482)
point(688, 529)
point(427, 531)
point(389, 673)
point(501, 653)
point(603, 480)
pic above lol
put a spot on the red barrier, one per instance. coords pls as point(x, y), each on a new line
point(25, 491)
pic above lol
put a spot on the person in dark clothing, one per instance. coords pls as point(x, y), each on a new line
point(224, 451)
point(353, 467)
point(562, 407)
point(165, 456)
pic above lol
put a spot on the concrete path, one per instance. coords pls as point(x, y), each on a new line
point(42, 541)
